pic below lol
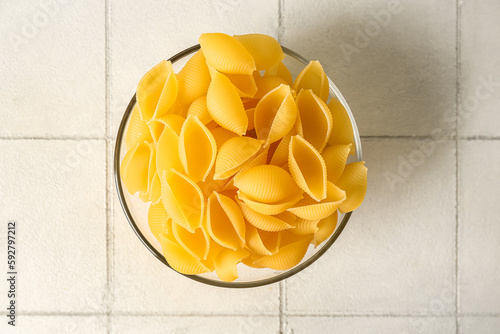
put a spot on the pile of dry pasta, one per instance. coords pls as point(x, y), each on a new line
point(240, 162)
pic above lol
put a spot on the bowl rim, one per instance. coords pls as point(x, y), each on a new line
point(249, 284)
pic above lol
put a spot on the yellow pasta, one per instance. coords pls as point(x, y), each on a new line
point(354, 181)
point(233, 154)
point(266, 183)
point(134, 168)
point(226, 261)
point(154, 194)
point(222, 135)
point(224, 222)
point(167, 156)
point(268, 223)
point(335, 157)
point(342, 133)
point(307, 168)
point(267, 83)
point(280, 154)
point(315, 119)
point(226, 54)
point(179, 259)
point(137, 131)
point(313, 77)
point(157, 91)
point(182, 199)
point(262, 242)
point(174, 121)
point(326, 227)
point(305, 227)
point(310, 209)
point(252, 259)
point(194, 79)
point(275, 115)
point(271, 208)
point(250, 115)
point(281, 71)
point(197, 149)
point(199, 108)
point(287, 257)
point(157, 219)
point(225, 106)
point(265, 50)
point(244, 83)
point(195, 243)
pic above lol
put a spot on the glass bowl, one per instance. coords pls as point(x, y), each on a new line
point(136, 210)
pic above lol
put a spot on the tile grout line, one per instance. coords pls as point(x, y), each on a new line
point(457, 101)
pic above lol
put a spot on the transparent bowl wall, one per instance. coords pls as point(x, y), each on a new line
point(136, 210)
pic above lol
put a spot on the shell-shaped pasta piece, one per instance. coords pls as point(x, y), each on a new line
point(210, 185)
point(265, 50)
point(199, 108)
point(179, 109)
point(225, 222)
point(342, 133)
point(266, 183)
point(137, 131)
point(262, 242)
point(213, 251)
point(250, 114)
point(144, 196)
point(179, 259)
point(134, 168)
point(310, 209)
point(182, 199)
point(226, 261)
point(233, 154)
point(307, 168)
point(287, 257)
point(267, 83)
point(305, 227)
point(259, 159)
point(197, 149)
point(157, 219)
point(326, 227)
point(174, 121)
point(226, 54)
point(354, 181)
point(224, 105)
point(275, 115)
point(335, 157)
point(222, 135)
point(265, 222)
point(249, 103)
point(196, 243)
point(194, 79)
point(244, 83)
point(280, 156)
point(270, 208)
point(281, 71)
point(167, 156)
point(157, 91)
point(155, 188)
point(313, 77)
point(156, 128)
point(315, 119)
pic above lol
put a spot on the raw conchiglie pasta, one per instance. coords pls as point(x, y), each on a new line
point(275, 115)
point(265, 222)
point(154, 194)
point(315, 119)
point(194, 79)
point(156, 128)
point(262, 242)
point(326, 227)
point(354, 181)
point(305, 227)
point(280, 155)
point(266, 183)
point(313, 77)
point(233, 154)
point(137, 131)
point(267, 83)
point(287, 257)
point(250, 114)
point(157, 91)
point(342, 133)
point(226, 54)
point(197, 149)
point(174, 121)
point(335, 157)
point(222, 135)
point(225, 106)
point(157, 219)
point(310, 209)
point(224, 222)
point(226, 261)
point(307, 168)
point(281, 71)
point(199, 108)
point(252, 259)
point(195, 243)
point(265, 50)
point(271, 208)
point(182, 199)
point(134, 168)
point(167, 150)
point(144, 196)
point(179, 259)
point(213, 251)
point(260, 159)
point(244, 83)
point(210, 185)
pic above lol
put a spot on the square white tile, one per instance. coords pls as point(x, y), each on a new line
point(397, 253)
point(479, 231)
point(57, 325)
point(144, 33)
point(55, 190)
point(143, 284)
point(370, 325)
point(479, 325)
point(394, 61)
point(53, 69)
point(195, 324)
point(480, 69)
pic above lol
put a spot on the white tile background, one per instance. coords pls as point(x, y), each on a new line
point(420, 256)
